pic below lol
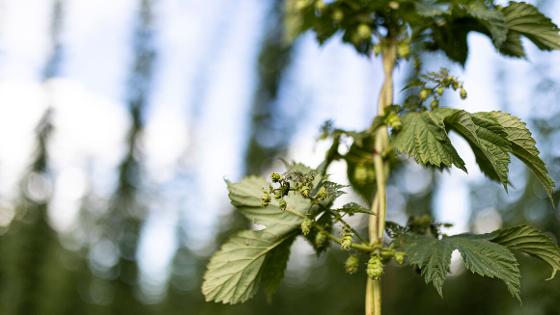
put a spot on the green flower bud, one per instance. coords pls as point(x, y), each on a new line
point(276, 177)
point(305, 191)
point(282, 204)
point(277, 194)
point(320, 239)
point(346, 242)
point(455, 84)
point(399, 257)
point(376, 49)
point(394, 121)
point(435, 104)
point(322, 194)
point(265, 199)
point(306, 225)
point(403, 50)
point(463, 93)
point(425, 93)
point(337, 16)
point(351, 264)
point(363, 32)
point(439, 91)
point(320, 5)
point(285, 188)
point(374, 268)
point(301, 4)
point(361, 174)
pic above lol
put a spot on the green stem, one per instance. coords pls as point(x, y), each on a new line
point(379, 205)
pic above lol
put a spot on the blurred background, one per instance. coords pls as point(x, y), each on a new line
point(119, 121)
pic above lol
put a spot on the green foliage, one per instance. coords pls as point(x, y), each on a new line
point(491, 135)
point(300, 201)
point(488, 255)
point(433, 257)
point(424, 138)
point(527, 239)
point(524, 19)
point(235, 271)
point(424, 24)
point(259, 257)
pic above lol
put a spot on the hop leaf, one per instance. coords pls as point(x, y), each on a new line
point(524, 19)
point(251, 258)
point(233, 272)
point(375, 267)
point(423, 137)
point(527, 239)
point(488, 255)
point(481, 256)
point(493, 136)
point(351, 264)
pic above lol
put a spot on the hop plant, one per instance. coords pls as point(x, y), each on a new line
point(399, 257)
point(363, 32)
point(375, 267)
point(424, 93)
point(306, 225)
point(337, 16)
point(346, 241)
point(276, 177)
point(394, 30)
point(265, 199)
point(282, 204)
point(394, 121)
point(463, 93)
point(321, 239)
point(434, 104)
point(352, 264)
point(322, 194)
point(305, 191)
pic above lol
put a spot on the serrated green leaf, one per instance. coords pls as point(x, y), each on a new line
point(512, 46)
point(274, 266)
point(234, 271)
point(487, 139)
point(523, 146)
point(451, 38)
point(353, 208)
point(527, 20)
point(529, 240)
point(489, 259)
point(423, 137)
point(430, 8)
point(432, 256)
point(490, 18)
point(492, 136)
point(481, 256)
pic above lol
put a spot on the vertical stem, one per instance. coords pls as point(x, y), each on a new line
point(379, 205)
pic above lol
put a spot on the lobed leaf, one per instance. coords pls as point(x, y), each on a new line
point(492, 137)
point(523, 146)
point(252, 258)
point(487, 139)
point(235, 270)
point(423, 137)
point(525, 19)
point(527, 239)
point(481, 256)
